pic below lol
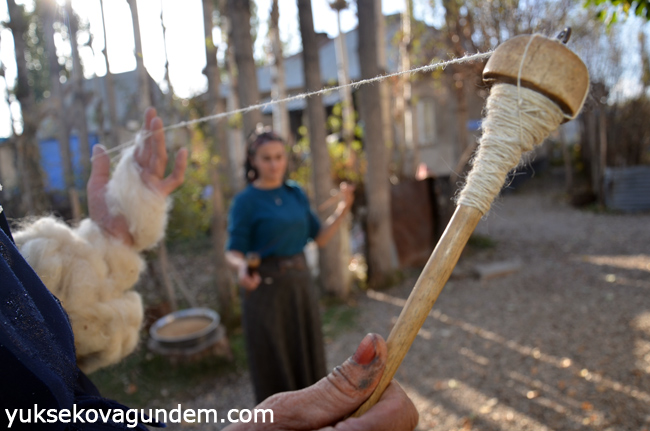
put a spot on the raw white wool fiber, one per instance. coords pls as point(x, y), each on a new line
point(516, 120)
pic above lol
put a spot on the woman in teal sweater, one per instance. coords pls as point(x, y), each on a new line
point(272, 218)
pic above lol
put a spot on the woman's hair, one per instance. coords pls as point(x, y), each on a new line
point(259, 137)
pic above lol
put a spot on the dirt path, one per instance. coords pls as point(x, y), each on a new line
point(563, 344)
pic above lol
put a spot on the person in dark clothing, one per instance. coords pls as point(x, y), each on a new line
point(272, 218)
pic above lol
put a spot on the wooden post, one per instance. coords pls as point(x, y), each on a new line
point(602, 160)
point(163, 259)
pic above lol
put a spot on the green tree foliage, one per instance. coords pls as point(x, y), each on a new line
point(610, 11)
point(35, 56)
point(191, 213)
point(299, 161)
point(348, 163)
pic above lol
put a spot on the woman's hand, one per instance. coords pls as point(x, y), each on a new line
point(324, 405)
point(347, 194)
point(248, 282)
point(238, 262)
point(333, 222)
point(151, 159)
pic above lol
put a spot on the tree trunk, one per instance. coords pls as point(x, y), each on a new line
point(56, 91)
point(331, 273)
point(223, 277)
point(347, 130)
point(411, 154)
point(98, 112)
point(215, 105)
point(568, 163)
point(379, 233)
point(462, 115)
point(34, 200)
point(170, 88)
point(114, 135)
point(456, 35)
point(144, 101)
point(163, 261)
point(239, 13)
point(278, 89)
point(602, 161)
point(594, 146)
point(176, 136)
point(236, 140)
point(384, 86)
point(79, 98)
point(645, 61)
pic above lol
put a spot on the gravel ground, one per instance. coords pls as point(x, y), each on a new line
point(562, 344)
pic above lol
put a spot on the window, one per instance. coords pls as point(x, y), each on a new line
point(426, 117)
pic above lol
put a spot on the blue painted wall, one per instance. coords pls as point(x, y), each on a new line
point(52, 163)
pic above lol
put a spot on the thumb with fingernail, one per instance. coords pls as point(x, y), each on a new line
point(336, 396)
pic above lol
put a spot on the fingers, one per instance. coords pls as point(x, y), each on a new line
point(249, 282)
point(349, 196)
point(100, 168)
point(176, 178)
point(347, 191)
point(97, 206)
point(345, 186)
point(158, 159)
point(393, 412)
point(143, 153)
point(149, 114)
point(337, 395)
point(151, 155)
point(96, 187)
point(256, 280)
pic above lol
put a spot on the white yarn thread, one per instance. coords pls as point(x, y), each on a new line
point(505, 139)
point(426, 68)
point(521, 67)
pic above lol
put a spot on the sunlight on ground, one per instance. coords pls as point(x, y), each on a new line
point(478, 359)
point(490, 410)
point(579, 412)
point(624, 281)
point(587, 414)
point(642, 346)
point(462, 412)
point(639, 261)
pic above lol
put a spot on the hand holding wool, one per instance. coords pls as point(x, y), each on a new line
point(92, 268)
point(112, 206)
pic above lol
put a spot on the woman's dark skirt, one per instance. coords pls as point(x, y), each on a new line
point(282, 326)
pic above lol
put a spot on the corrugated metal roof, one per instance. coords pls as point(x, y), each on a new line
point(627, 189)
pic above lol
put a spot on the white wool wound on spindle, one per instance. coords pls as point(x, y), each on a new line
point(516, 120)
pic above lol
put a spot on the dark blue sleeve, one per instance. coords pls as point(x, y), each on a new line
point(239, 225)
point(314, 224)
point(37, 354)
